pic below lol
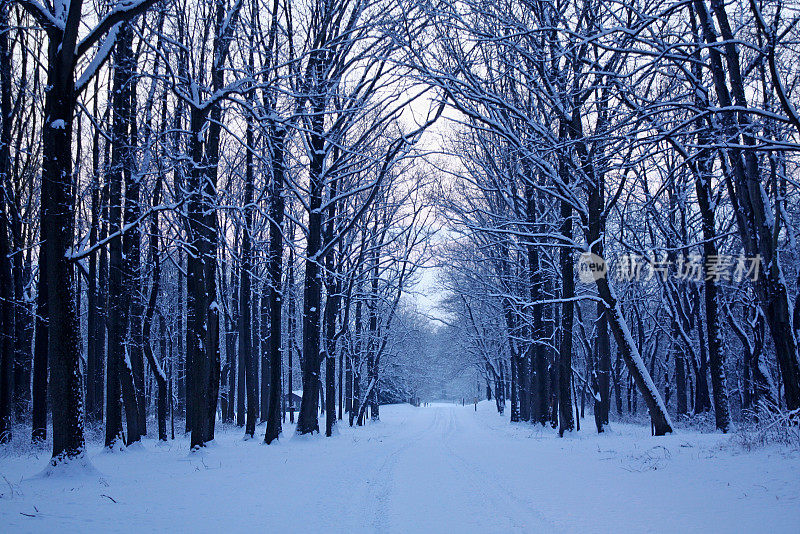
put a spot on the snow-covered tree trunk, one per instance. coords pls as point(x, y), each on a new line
point(633, 360)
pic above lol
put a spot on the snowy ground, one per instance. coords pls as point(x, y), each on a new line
point(441, 468)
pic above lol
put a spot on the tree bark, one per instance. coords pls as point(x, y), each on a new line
point(274, 280)
point(95, 352)
point(245, 292)
point(119, 368)
point(630, 354)
point(57, 215)
point(307, 421)
point(716, 347)
point(203, 324)
point(566, 421)
point(158, 371)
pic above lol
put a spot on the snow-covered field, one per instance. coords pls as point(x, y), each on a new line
point(441, 468)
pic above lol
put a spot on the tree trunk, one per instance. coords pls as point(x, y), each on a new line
point(500, 389)
point(245, 293)
point(680, 380)
point(263, 352)
point(118, 380)
point(307, 421)
point(630, 354)
point(131, 242)
point(57, 216)
point(596, 234)
point(291, 325)
point(373, 356)
point(716, 347)
point(160, 375)
point(333, 290)
point(514, 390)
point(566, 421)
point(203, 325)
point(7, 321)
point(94, 394)
point(340, 414)
point(538, 360)
point(356, 360)
point(603, 406)
point(274, 280)
point(702, 398)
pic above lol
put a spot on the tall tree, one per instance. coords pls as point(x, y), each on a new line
point(62, 22)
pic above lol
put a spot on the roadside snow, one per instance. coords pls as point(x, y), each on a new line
point(441, 468)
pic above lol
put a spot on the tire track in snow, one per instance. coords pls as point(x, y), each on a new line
point(500, 497)
point(378, 487)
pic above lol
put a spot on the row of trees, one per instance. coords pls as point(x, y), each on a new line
point(197, 195)
point(196, 192)
point(653, 132)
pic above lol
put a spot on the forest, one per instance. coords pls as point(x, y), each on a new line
point(271, 219)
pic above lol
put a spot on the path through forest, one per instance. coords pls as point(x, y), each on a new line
point(441, 468)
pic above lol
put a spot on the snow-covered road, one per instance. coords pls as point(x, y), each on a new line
point(441, 468)
point(428, 483)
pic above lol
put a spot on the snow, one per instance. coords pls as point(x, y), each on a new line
point(99, 58)
point(71, 469)
point(441, 468)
